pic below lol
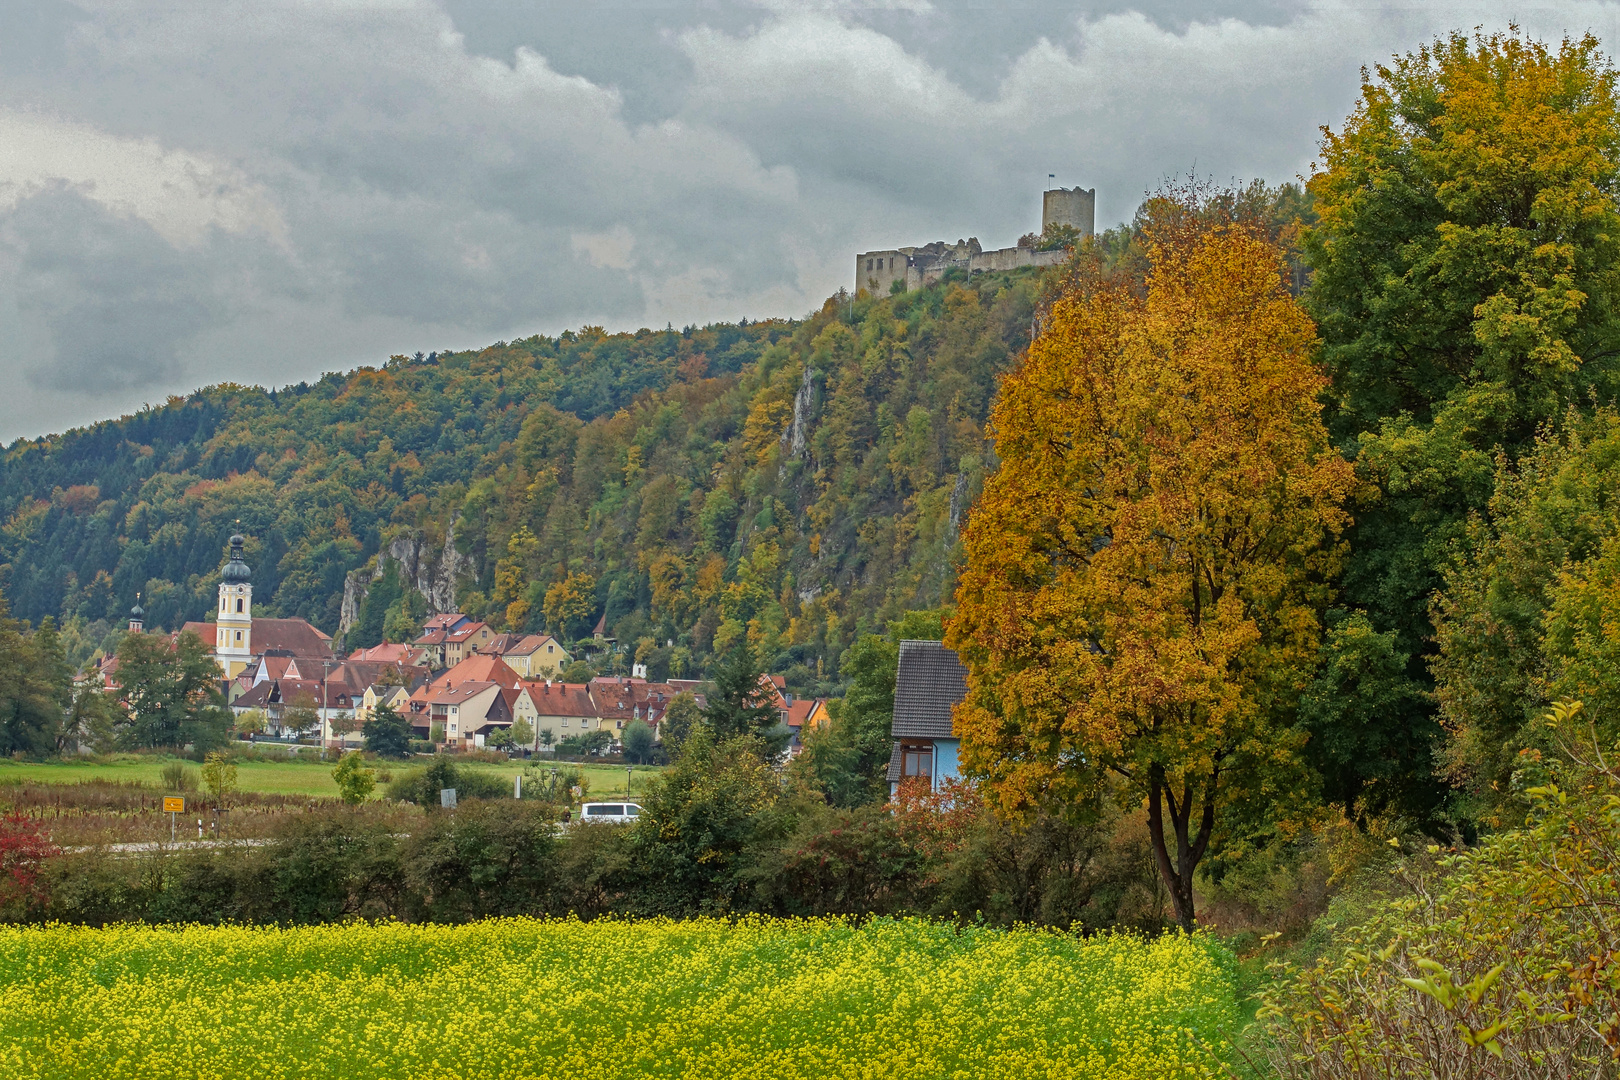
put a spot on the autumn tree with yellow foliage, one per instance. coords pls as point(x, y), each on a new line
point(1145, 572)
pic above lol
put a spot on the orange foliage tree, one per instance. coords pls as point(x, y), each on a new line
point(1145, 573)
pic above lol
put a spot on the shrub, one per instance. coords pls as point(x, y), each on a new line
point(355, 782)
point(482, 860)
point(177, 777)
point(422, 786)
point(1491, 963)
point(24, 848)
point(698, 821)
point(841, 861)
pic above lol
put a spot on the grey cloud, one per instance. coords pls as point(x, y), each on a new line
point(287, 188)
point(117, 299)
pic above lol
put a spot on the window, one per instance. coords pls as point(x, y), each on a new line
point(565, 721)
point(238, 603)
point(917, 760)
point(551, 648)
point(869, 264)
point(239, 635)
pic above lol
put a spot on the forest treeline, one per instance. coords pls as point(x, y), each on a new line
point(788, 483)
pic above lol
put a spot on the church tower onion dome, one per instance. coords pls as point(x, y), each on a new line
point(236, 570)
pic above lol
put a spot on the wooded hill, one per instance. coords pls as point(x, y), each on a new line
point(796, 482)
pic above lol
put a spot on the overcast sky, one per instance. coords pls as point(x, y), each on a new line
point(259, 192)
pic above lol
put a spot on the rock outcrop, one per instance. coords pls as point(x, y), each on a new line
point(433, 574)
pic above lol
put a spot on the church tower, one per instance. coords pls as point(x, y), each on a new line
point(233, 645)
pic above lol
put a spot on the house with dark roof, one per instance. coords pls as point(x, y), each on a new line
point(927, 686)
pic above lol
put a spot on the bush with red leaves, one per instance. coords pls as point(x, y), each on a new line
point(24, 847)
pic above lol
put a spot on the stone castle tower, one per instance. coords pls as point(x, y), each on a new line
point(1075, 207)
point(233, 645)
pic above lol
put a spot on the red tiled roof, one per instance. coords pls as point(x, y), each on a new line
point(561, 699)
point(799, 712)
point(455, 695)
point(386, 653)
point(519, 645)
point(479, 668)
point(292, 636)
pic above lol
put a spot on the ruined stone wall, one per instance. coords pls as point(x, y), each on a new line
point(877, 271)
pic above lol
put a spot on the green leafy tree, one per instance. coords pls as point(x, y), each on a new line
point(522, 733)
point(381, 595)
point(95, 719)
point(854, 757)
point(1521, 620)
point(681, 715)
point(688, 848)
point(58, 675)
point(638, 740)
point(387, 733)
point(300, 714)
point(1465, 290)
point(342, 725)
point(172, 692)
point(547, 738)
point(511, 598)
point(355, 782)
point(836, 768)
point(29, 711)
point(251, 722)
point(577, 672)
point(583, 745)
point(219, 777)
point(403, 620)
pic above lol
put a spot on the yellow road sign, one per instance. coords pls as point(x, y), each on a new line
point(174, 804)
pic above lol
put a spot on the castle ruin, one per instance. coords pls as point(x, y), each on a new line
point(914, 267)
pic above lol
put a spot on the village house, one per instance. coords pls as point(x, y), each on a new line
point(533, 656)
point(563, 709)
point(620, 700)
point(393, 695)
point(468, 712)
point(928, 685)
point(449, 639)
point(805, 715)
point(476, 668)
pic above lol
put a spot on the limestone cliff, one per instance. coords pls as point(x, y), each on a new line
point(433, 574)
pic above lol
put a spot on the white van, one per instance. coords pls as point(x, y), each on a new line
point(619, 813)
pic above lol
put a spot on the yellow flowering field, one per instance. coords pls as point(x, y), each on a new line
point(524, 998)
